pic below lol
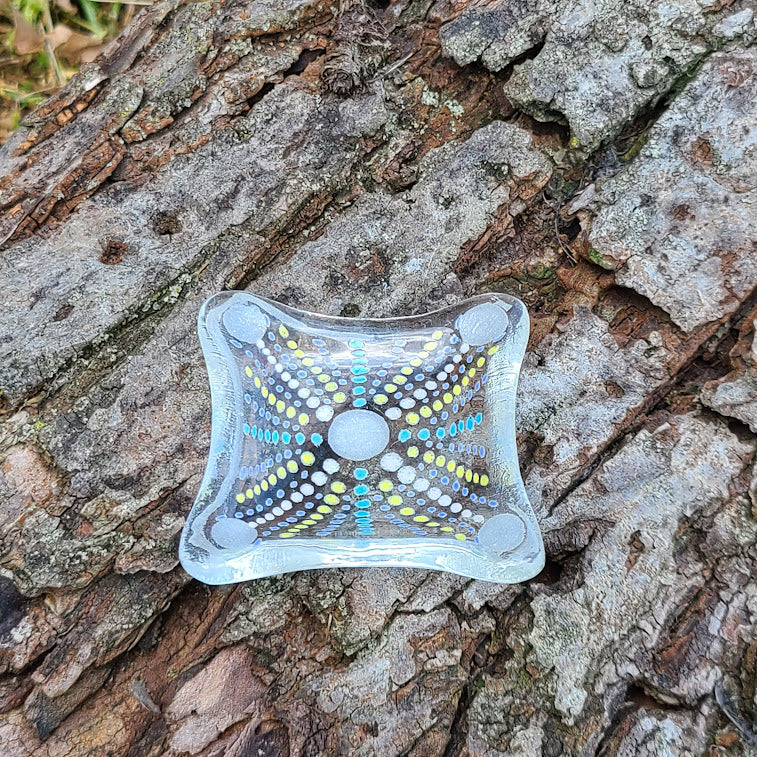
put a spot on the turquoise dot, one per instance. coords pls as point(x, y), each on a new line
point(286, 438)
point(359, 402)
point(404, 435)
point(300, 438)
point(424, 434)
point(363, 503)
point(362, 489)
point(316, 439)
point(360, 473)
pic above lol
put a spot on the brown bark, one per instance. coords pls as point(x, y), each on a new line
point(379, 160)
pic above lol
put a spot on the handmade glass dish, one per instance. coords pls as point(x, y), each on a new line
point(358, 442)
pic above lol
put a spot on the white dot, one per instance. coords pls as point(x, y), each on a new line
point(277, 511)
point(330, 465)
point(419, 394)
point(431, 385)
point(269, 516)
point(304, 392)
point(434, 492)
point(233, 533)
point(319, 478)
point(324, 413)
point(306, 489)
point(445, 499)
point(406, 474)
point(502, 533)
point(421, 484)
point(358, 434)
point(393, 413)
point(286, 376)
point(286, 505)
point(297, 497)
point(391, 461)
point(244, 321)
point(407, 403)
point(482, 324)
point(467, 513)
point(293, 384)
point(313, 402)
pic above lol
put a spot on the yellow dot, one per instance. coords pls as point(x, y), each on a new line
point(272, 398)
point(257, 489)
point(283, 331)
point(308, 522)
point(256, 381)
point(415, 362)
point(433, 524)
point(468, 475)
point(437, 335)
point(272, 479)
point(316, 516)
point(451, 466)
point(472, 372)
point(446, 528)
point(412, 451)
point(441, 460)
point(420, 519)
point(407, 370)
point(249, 494)
point(425, 411)
point(299, 353)
point(240, 498)
point(264, 485)
point(475, 478)
point(492, 350)
point(307, 361)
point(338, 487)
point(286, 535)
point(437, 405)
point(395, 500)
point(447, 397)
point(465, 381)
point(303, 419)
point(291, 412)
point(412, 418)
point(484, 479)
point(308, 458)
point(324, 509)
point(331, 499)
point(381, 399)
point(331, 386)
point(391, 388)
point(292, 344)
point(316, 370)
point(423, 354)
point(460, 537)
point(322, 377)
point(429, 346)
point(292, 466)
point(456, 389)
point(460, 472)
point(407, 511)
point(300, 526)
point(399, 379)
point(428, 457)
point(280, 472)
point(385, 485)
point(340, 397)
point(480, 361)
point(264, 391)
point(248, 371)
point(280, 406)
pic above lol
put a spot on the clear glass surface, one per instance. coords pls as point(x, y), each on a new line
point(358, 442)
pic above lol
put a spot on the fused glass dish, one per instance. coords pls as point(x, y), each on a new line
point(358, 442)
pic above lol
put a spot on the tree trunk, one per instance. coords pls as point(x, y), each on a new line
point(597, 160)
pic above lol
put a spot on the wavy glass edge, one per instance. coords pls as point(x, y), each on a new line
point(200, 558)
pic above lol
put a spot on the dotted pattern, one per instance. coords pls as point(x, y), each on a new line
point(426, 387)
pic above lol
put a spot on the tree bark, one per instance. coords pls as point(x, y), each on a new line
point(596, 160)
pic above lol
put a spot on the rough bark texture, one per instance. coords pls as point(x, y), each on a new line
point(597, 159)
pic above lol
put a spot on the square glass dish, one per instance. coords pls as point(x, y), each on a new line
point(359, 442)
